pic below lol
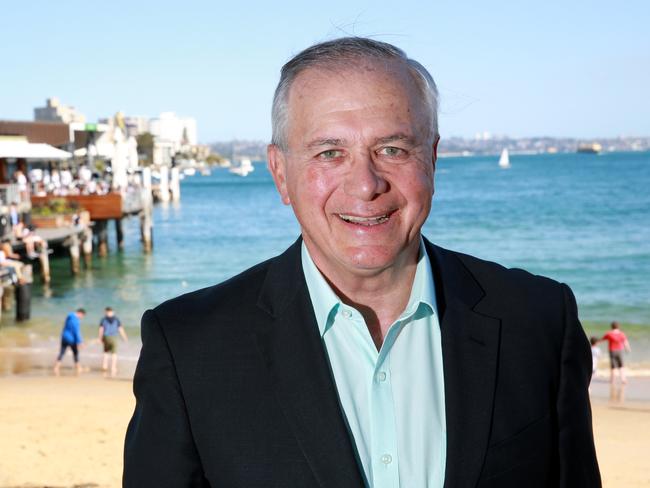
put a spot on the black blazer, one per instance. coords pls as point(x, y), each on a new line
point(234, 389)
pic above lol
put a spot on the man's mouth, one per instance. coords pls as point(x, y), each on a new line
point(366, 221)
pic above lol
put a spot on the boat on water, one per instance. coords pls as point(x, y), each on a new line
point(244, 167)
point(504, 160)
point(205, 171)
point(189, 171)
point(593, 148)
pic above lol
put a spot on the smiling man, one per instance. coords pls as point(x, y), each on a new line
point(364, 355)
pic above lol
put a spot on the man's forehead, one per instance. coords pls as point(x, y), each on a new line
point(324, 99)
point(385, 71)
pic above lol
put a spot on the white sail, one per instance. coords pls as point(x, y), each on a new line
point(504, 160)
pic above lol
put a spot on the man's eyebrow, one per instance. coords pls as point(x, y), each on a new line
point(396, 137)
point(325, 142)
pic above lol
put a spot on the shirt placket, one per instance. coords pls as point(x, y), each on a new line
point(383, 423)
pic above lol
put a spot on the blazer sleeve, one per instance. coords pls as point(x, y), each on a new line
point(159, 448)
point(578, 463)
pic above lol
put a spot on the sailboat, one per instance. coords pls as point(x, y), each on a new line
point(504, 160)
point(243, 168)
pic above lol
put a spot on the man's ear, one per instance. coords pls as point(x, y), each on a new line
point(277, 166)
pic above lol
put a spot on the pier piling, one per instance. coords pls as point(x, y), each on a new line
point(7, 298)
point(146, 230)
point(87, 247)
point(164, 184)
point(119, 232)
point(74, 254)
point(44, 258)
point(102, 237)
point(175, 184)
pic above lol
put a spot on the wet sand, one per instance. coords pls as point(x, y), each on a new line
point(69, 431)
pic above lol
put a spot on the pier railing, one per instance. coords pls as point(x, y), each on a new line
point(9, 193)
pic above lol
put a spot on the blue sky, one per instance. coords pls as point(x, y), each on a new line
point(522, 68)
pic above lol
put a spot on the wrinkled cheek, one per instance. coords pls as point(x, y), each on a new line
point(310, 195)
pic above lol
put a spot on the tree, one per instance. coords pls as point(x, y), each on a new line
point(145, 148)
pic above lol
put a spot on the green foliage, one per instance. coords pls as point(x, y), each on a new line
point(145, 148)
point(56, 206)
point(215, 159)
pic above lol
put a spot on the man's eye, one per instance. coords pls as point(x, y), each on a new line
point(392, 152)
point(330, 154)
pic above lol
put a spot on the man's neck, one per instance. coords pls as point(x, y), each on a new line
point(380, 297)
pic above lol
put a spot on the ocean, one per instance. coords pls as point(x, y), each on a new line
point(581, 219)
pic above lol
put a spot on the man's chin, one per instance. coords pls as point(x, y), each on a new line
point(370, 259)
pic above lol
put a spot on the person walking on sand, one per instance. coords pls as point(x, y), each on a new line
point(617, 344)
point(71, 337)
point(109, 327)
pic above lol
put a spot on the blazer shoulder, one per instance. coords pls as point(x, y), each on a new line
point(494, 272)
point(497, 280)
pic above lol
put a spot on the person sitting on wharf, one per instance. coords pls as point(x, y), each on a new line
point(9, 259)
point(364, 355)
point(31, 240)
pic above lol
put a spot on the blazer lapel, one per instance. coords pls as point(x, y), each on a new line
point(470, 343)
point(292, 349)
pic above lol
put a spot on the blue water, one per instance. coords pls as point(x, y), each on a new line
point(581, 219)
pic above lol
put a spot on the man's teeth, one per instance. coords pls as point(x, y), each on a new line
point(353, 219)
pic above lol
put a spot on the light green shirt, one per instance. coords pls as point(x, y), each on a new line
point(393, 399)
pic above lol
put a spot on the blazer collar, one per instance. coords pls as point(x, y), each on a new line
point(470, 342)
point(291, 347)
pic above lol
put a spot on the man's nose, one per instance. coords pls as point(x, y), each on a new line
point(363, 180)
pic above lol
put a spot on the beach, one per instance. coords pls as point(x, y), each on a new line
point(68, 431)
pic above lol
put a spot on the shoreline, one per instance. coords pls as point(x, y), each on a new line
point(24, 352)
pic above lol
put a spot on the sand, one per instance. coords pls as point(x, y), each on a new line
point(63, 432)
point(69, 432)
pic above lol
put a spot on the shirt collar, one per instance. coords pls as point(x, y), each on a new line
point(326, 303)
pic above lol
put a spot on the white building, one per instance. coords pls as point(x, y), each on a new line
point(55, 111)
point(172, 135)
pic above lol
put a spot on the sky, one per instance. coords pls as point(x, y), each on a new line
point(521, 68)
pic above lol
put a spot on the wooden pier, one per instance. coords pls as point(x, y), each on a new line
point(111, 206)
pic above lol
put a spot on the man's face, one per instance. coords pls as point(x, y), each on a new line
point(358, 169)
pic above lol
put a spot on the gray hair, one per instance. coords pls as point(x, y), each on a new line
point(336, 52)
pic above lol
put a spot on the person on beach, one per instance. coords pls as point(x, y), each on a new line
point(595, 355)
point(109, 328)
point(618, 344)
point(364, 355)
point(71, 338)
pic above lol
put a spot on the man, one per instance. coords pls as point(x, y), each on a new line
point(618, 344)
point(109, 327)
point(364, 355)
point(71, 338)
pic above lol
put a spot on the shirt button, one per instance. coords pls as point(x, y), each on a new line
point(347, 314)
point(381, 376)
point(387, 459)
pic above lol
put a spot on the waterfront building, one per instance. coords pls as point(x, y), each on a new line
point(172, 135)
point(55, 111)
